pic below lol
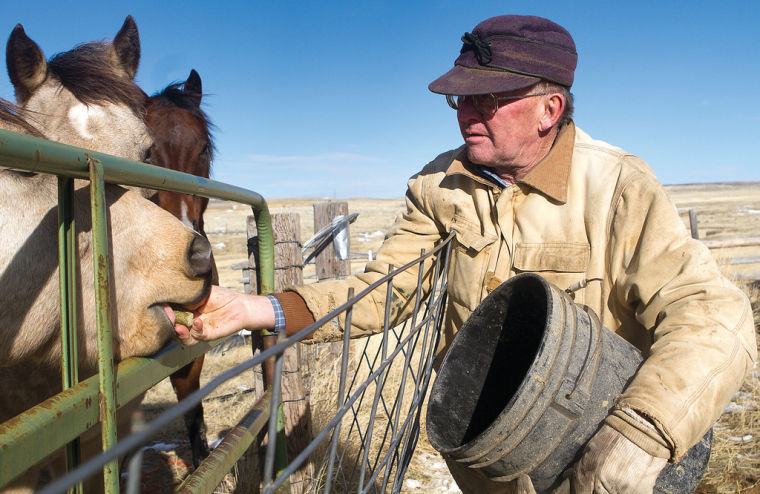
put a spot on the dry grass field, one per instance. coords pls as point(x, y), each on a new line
point(725, 211)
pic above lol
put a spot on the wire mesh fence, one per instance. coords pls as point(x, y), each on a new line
point(365, 443)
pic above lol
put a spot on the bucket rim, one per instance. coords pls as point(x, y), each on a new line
point(494, 434)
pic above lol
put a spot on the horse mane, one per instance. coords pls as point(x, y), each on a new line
point(15, 117)
point(172, 95)
point(87, 72)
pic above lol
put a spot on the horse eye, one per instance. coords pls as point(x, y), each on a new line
point(148, 156)
point(206, 149)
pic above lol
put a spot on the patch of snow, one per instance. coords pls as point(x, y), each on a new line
point(367, 236)
point(749, 210)
point(161, 446)
point(733, 407)
point(740, 439)
point(412, 484)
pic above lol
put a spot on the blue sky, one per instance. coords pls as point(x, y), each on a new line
point(329, 99)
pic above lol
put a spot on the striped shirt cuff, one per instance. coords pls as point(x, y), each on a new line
point(279, 314)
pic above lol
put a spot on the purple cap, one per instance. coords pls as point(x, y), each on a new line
point(510, 52)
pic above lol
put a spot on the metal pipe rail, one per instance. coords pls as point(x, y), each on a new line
point(66, 415)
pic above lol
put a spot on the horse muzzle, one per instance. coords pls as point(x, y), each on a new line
point(199, 259)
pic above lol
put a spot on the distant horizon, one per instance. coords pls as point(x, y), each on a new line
point(401, 197)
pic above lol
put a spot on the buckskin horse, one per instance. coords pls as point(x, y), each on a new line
point(85, 97)
point(182, 141)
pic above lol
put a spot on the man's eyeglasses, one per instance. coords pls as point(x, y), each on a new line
point(485, 104)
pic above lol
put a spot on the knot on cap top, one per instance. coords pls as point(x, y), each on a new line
point(480, 48)
point(510, 52)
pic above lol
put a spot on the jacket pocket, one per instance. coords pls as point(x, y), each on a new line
point(468, 263)
point(552, 256)
point(563, 264)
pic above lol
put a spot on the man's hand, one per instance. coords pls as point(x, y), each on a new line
point(611, 463)
point(226, 312)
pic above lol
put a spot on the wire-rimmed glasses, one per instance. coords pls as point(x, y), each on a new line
point(485, 104)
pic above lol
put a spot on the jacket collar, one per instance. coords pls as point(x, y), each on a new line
point(550, 176)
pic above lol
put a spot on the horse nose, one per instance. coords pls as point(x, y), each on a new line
point(199, 257)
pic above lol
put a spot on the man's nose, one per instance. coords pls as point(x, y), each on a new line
point(467, 111)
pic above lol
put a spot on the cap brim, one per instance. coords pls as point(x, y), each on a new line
point(462, 81)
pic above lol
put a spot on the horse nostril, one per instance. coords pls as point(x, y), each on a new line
point(199, 257)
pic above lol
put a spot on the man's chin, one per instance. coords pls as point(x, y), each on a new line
point(475, 157)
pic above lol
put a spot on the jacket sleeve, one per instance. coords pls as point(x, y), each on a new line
point(700, 325)
point(413, 231)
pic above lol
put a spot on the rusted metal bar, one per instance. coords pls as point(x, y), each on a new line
point(213, 469)
point(66, 415)
point(103, 310)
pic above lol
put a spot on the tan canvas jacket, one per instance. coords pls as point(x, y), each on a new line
point(589, 211)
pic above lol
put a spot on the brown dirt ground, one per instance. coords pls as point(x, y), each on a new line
point(724, 211)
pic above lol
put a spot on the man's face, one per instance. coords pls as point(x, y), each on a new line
point(508, 138)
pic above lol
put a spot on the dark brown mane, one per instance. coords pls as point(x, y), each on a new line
point(172, 95)
point(14, 116)
point(87, 72)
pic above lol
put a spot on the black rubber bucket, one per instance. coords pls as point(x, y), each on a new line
point(526, 383)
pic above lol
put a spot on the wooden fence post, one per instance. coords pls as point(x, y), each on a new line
point(693, 224)
point(327, 263)
point(288, 266)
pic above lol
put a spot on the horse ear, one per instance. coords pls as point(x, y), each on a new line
point(26, 64)
point(125, 48)
point(193, 88)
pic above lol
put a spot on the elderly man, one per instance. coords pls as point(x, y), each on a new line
point(530, 192)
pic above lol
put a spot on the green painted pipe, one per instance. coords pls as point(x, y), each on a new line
point(221, 460)
point(61, 418)
point(106, 372)
point(67, 288)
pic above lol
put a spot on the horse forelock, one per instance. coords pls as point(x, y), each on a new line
point(172, 95)
point(87, 72)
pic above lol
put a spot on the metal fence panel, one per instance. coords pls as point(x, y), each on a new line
point(367, 444)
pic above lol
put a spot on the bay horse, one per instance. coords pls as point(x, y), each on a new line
point(85, 97)
point(182, 141)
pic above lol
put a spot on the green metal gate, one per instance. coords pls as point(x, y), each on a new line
point(33, 435)
point(392, 411)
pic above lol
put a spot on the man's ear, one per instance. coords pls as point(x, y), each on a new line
point(554, 105)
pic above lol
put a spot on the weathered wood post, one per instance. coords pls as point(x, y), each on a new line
point(693, 224)
point(327, 263)
point(288, 266)
point(328, 266)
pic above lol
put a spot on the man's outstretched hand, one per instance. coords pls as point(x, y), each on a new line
point(225, 312)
